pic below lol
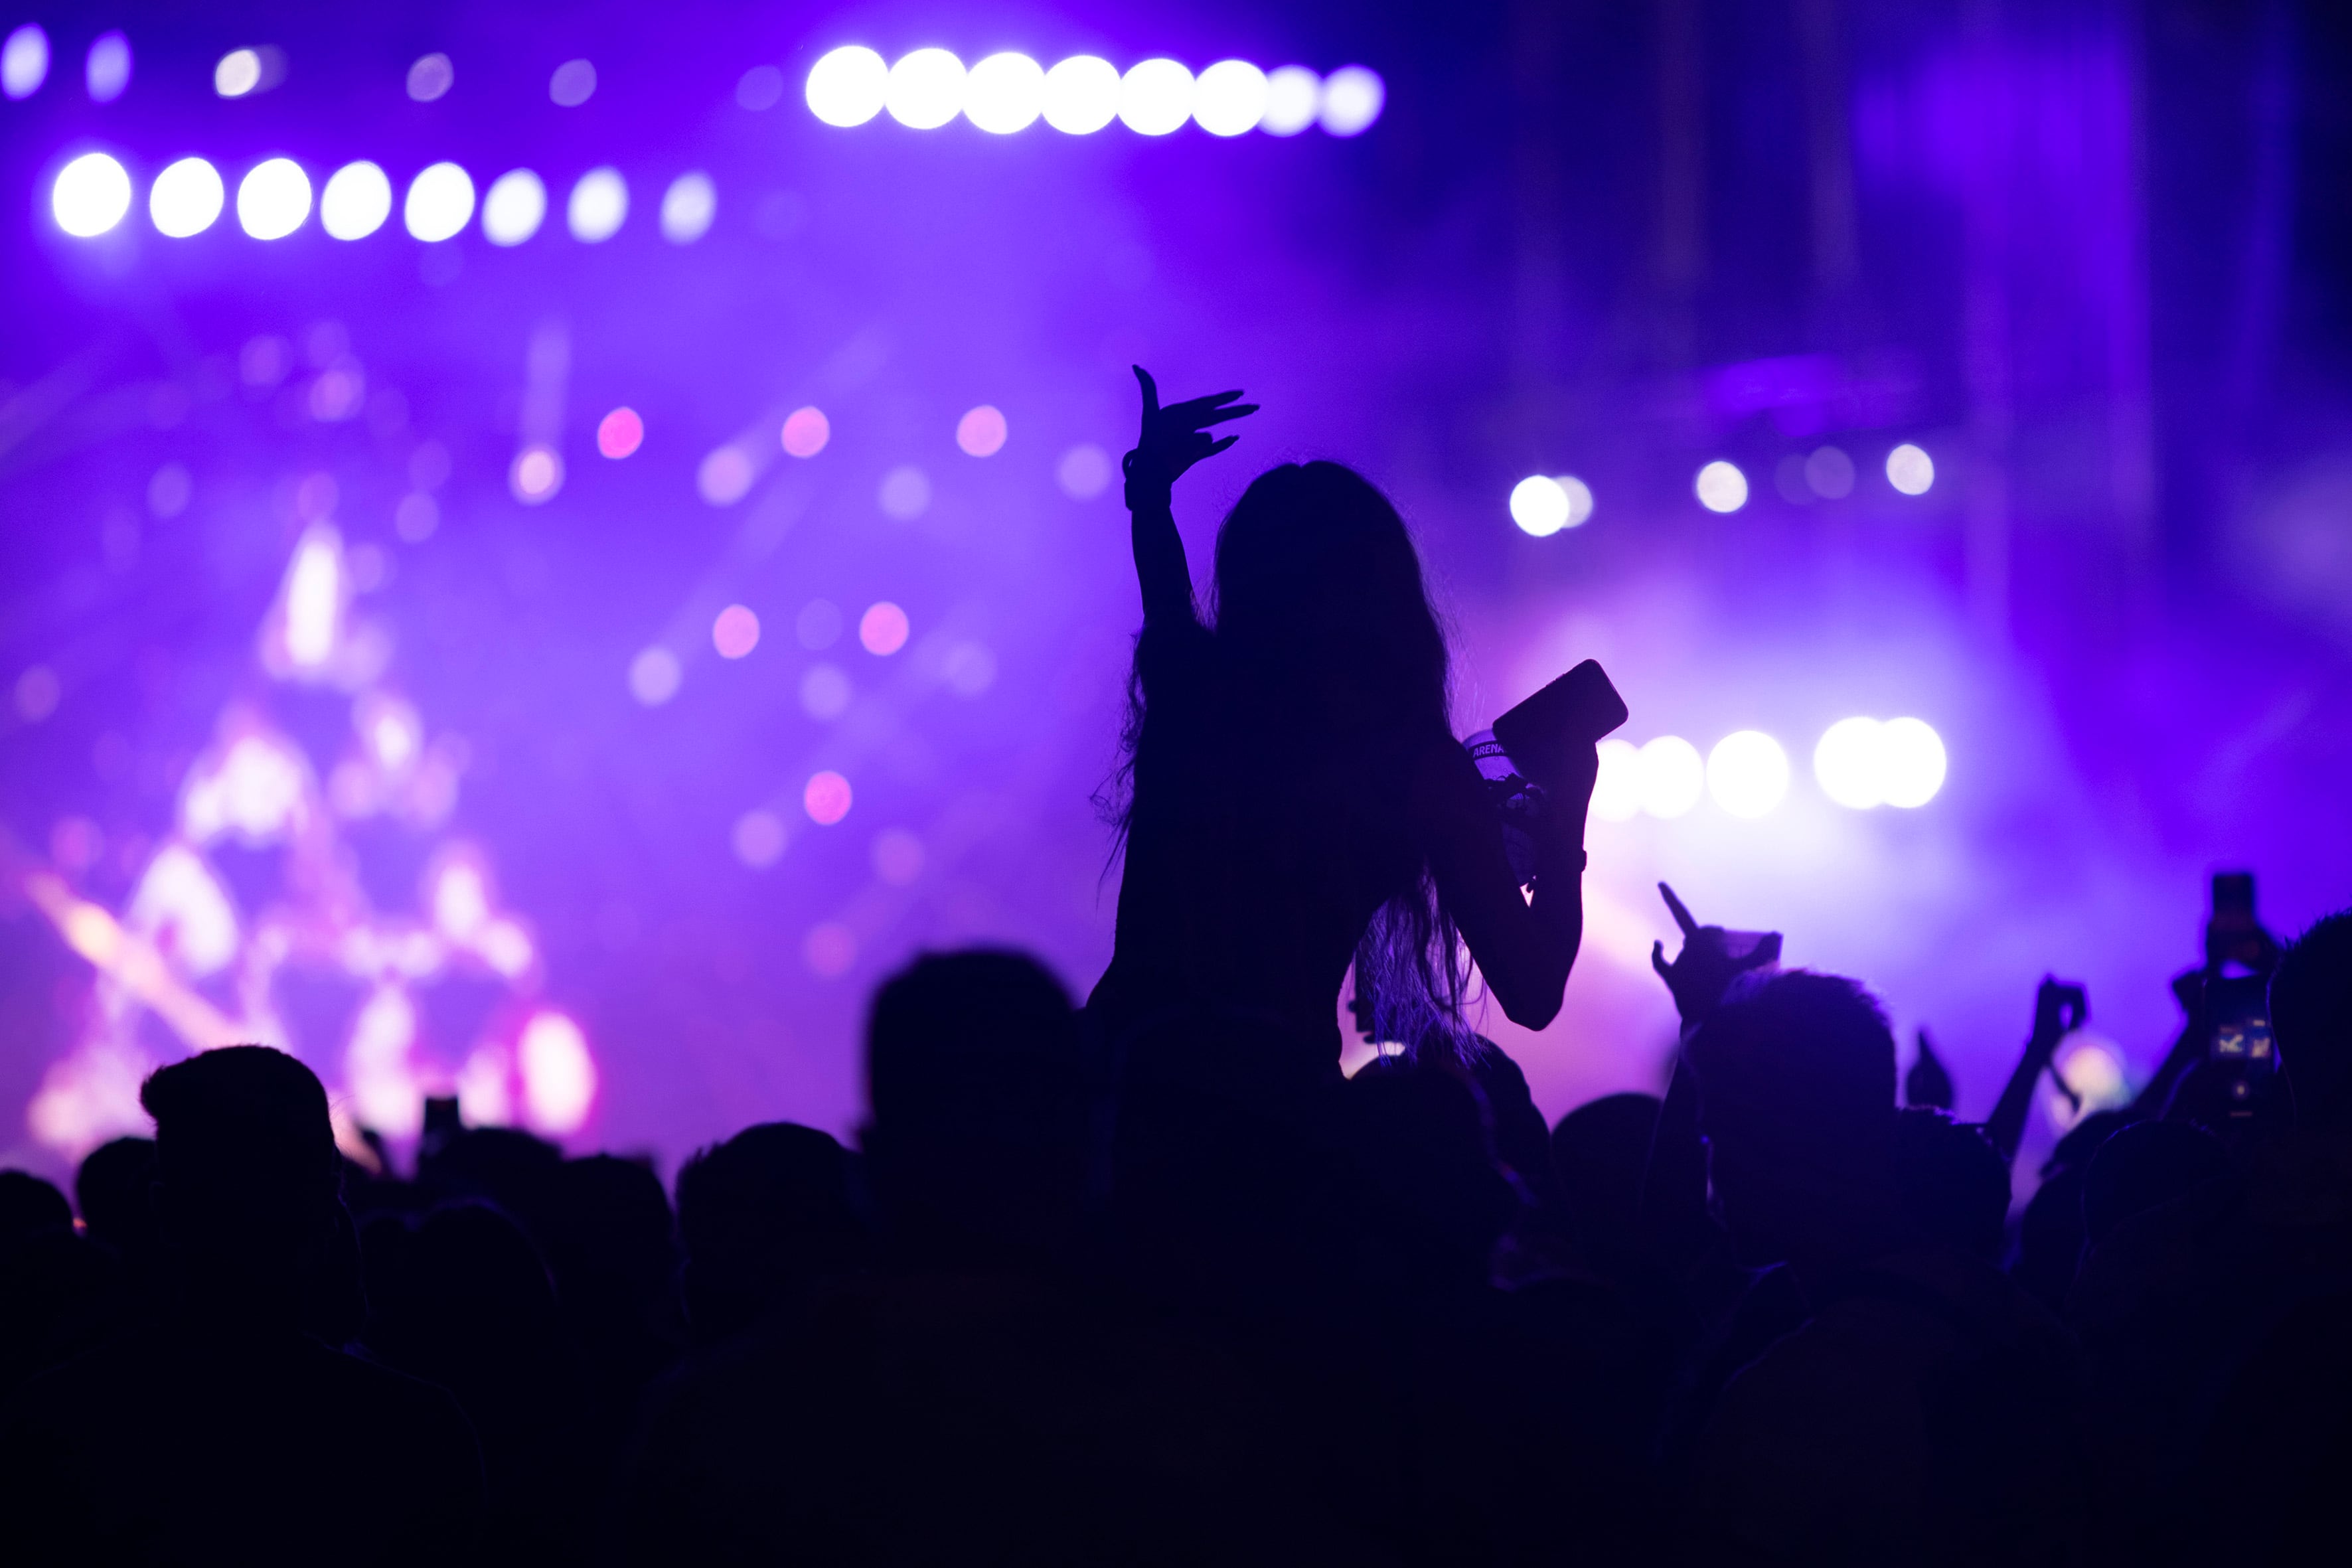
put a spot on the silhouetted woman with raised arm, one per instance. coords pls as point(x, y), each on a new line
point(1295, 795)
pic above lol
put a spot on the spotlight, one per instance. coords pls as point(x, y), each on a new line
point(1910, 470)
point(654, 675)
point(882, 629)
point(356, 201)
point(1155, 96)
point(1845, 763)
point(736, 632)
point(90, 195)
point(1229, 97)
point(848, 86)
point(1748, 772)
point(620, 433)
point(536, 475)
point(1861, 762)
point(1004, 93)
point(107, 68)
point(826, 798)
point(1082, 95)
point(1294, 96)
point(687, 208)
point(982, 432)
point(238, 73)
point(514, 208)
point(598, 207)
point(1721, 487)
point(1617, 793)
point(431, 77)
point(1353, 97)
point(573, 83)
point(1911, 761)
point(25, 61)
point(1672, 776)
point(925, 89)
point(273, 199)
point(186, 198)
point(1539, 506)
point(806, 430)
point(440, 202)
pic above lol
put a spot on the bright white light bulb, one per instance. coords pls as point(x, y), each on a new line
point(186, 198)
point(1230, 98)
point(1617, 793)
point(1721, 487)
point(90, 195)
point(514, 208)
point(1082, 95)
point(1910, 470)
point(1155, 97)
point(1911, 761)
point(1539, 506)
point(440, 202)
point(356, 201)
point(1672, 776)
point(598, 207)
point(1353, 97)
point(925, 89)
point(238, 73)
point(1846, 764)
point(1004, 93)
point(25, 61)
point(273, 199)
point(1748, 772)
point(848, 86)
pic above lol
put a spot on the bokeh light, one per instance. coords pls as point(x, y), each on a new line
point(620, 433)
point(536, 473)
point(514, 208)
point(1004, 93)
point(848, 86)
point(186, 198)
point(431, 77)
point(759, 838)
point(106, 70)
point(1672, 776)
point(598, 206)
point(925, 89)
point(882, 629)
point(1910, 470)
point(1294, 96)
point(1846, 765)
point(574, 84)
point(1229, 99)
point(825, 691)
point(969, 668)
point(829, 949)
point(25, 61)
point(558, 1076)
point(37, 692)
point(440, 202)
point(654, 675)
point(1353, 97)
point(1830, 473)
point(897, 857)
point(1155, 97)
point(1083, 471)
point(356, 201)
point(735, 632)
point(239, 72)
point(1617, 792)
point(818, 624)
point(806, 430)
point(1721, 487)
point(1748, 772)
point(760, 87)
point(90, 195)
point(906, 493)
point(826, 798)
point(1082, 95)
point(688, 208)
point(1539, 506)
point(725, 475)
point(273, 199)
point(1911, 760)
point(1861, 762)
point(981, 432)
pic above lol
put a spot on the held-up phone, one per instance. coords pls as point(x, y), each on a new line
point(2238, 1009)
point(441, 1122)
point(2234, 936)
point(1578, 709)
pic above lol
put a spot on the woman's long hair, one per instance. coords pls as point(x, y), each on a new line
point(1319, 598)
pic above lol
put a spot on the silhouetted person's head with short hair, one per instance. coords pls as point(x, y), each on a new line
point(2311, 1015)
point(29, 1206)
point(1599, 1152)
point(1953, 1183)
point(762, 1216)
point(978, 1142)
point(1796, 1074)
point(114, 1189)
point(2143, 1166)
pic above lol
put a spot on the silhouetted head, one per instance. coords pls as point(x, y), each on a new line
point(2144, 1165)
point(760, 1215)
point(1600, 1152)
point(476, 1290)
point(29, 1206)
point(1319, 595)
point(114, 1189)
point(1424, 1145)
point(1953, 1183)
point(609, 1237)
point(246, 1170)
point(1796, 1075)
point(2311, 1017)
point(978, 1137)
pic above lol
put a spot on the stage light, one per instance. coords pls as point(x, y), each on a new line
point(314, 598)
point(1082, 95)
point(1155, 97)
point(1672, 776)
point(431, 77)
point(1617, 792)
point(1911, 761)
point(806, 430)
point(925, 89)
point(826, 798)
point(90, 195)
point(829, 950)
point(897, 857)
point(273, 199)
point(1538, 506)
point(391, 727)
point(238, 73)
point(416, 517)
point(906, 493)
point(1229, 97)
point(1846, 764)
point(1830, 472)
point(558, 1076)
point(25, 61)
point(761, 88)
point(573, 83)
point(620, 433)
point(969, 668)
point(687, 208)
point(1721, 487)
point(825, 692)
point(818, 624)
point(1353, 97)
point(440, 202)
point(1294, 96)
point(1083, 471)
point(654, 675)
point(725, 475)
point(598, 206)
point(1748, 772)
point(759, 838)
point(107, 68)
point(882, 629)
point(356, 201)
point(36, 693)
point(1910, 469)
point(735, 632)
point(514, 208)
point(848, 86)
point(981, 432)
point(186, 198)
point(1004, 93)
point(536, 473)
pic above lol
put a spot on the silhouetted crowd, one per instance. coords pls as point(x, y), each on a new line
point(1161, 1296)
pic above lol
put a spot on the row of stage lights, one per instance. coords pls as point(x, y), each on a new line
point(1860, 763)
point(1544, 504)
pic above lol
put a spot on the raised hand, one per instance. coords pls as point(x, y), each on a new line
point(2060, 1008)
point(1706, 966)
point(1175, 438)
